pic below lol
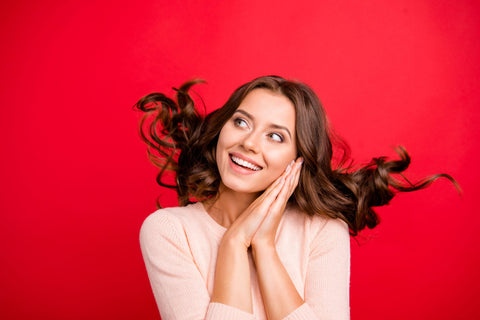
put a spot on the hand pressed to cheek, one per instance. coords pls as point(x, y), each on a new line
point(290, 182)
point(277, 203)
point(260, 220)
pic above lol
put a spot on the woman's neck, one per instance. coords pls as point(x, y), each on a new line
point(228, 205)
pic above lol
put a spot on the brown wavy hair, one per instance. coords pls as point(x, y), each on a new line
point(182, 141)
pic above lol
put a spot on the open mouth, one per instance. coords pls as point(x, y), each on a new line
point(244, 164)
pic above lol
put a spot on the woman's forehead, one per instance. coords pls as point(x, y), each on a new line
point(267, 106)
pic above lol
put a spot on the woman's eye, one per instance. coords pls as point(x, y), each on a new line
point(276, 137)
point(239, 122)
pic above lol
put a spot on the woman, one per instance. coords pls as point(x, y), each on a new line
point(263, 231)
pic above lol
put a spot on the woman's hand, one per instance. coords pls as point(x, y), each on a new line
point(277, 200)
point(255, 226)
point(279, 294)
point(259, 222)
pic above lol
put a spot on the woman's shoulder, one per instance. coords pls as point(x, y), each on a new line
point(169, 220)
point(179, 229)
point(316, 224)
point(179, 212)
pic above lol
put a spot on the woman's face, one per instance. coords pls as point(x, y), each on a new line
point(257, 142)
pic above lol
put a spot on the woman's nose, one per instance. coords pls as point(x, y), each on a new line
point(251, 142)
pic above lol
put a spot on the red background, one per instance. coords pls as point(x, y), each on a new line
point(76, 183)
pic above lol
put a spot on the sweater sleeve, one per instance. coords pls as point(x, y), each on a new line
point(327, 281)
point(179, 289)
point(328, 275)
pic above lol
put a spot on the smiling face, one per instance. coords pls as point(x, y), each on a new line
point(257, 143)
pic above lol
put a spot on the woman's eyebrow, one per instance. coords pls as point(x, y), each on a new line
point(245, 113)
point(273, 125)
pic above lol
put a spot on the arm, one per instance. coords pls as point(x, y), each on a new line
point(327, 279)
point(280, 297)
point(179, 289)
point(232, 276)
point(326, 283)
point(328, 274)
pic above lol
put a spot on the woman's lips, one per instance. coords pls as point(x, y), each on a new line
point(243, 165)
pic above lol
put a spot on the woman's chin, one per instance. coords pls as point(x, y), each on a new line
point(242, 187)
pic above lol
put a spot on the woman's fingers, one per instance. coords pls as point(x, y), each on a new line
point(296, 175)
point(281, 200)
point(271, 193)
point(259, 209)
point(291, 181)
point(286, 183)
point(267, 208)
point(267, 230)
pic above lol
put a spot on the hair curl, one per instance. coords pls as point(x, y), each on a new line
point(181, 140)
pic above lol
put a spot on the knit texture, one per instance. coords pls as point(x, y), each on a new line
point(179, 247)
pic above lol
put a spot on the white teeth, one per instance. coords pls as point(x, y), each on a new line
point(245, 164)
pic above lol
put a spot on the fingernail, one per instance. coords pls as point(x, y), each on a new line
point(300, 162)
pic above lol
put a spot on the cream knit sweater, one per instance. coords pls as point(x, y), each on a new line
point(179, 246)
